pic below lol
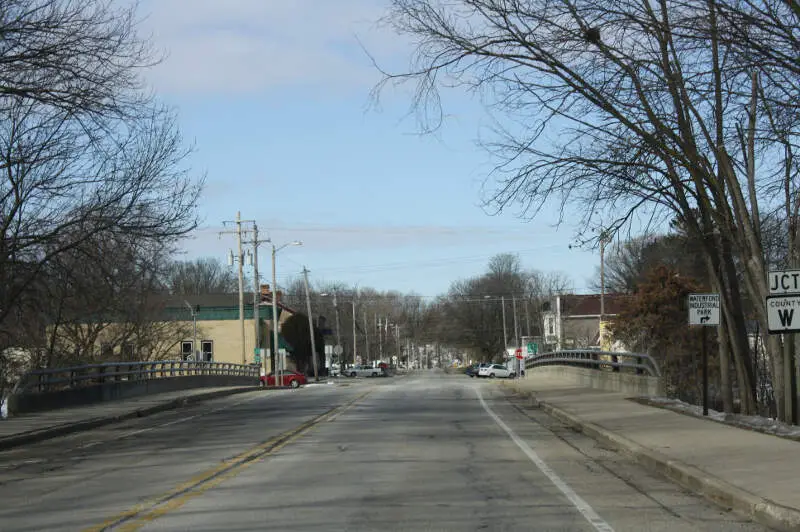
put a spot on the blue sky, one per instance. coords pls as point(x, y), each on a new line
point(275, 97)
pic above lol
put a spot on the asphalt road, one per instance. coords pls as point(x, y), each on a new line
point(430, 452)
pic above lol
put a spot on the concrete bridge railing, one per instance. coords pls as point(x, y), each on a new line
point(49, 389)
point(630, 373)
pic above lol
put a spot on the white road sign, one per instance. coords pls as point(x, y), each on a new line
point(337, 350)
point(703, 309)
point(784, 282)
point(783, 314)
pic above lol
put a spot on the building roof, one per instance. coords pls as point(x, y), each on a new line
point(589, 304)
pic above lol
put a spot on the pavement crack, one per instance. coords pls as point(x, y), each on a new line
point(558, 429)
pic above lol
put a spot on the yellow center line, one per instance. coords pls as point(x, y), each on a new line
point(143, 513)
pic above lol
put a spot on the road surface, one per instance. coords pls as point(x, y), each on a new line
point(429, 452)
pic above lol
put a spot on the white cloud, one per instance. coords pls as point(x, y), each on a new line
point(250, 46)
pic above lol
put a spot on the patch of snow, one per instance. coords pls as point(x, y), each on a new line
point(757, 423)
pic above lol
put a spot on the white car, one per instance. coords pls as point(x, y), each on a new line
point(363, 371)
point(494, 370)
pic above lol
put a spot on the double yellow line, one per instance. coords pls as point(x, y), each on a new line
point(146, 512)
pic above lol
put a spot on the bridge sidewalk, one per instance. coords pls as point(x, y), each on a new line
point(30, 428)
point(754, 473)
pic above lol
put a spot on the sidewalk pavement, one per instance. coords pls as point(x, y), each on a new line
point(753, 473)
point(34, 427)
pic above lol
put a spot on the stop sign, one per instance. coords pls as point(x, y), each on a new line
point(519, 354)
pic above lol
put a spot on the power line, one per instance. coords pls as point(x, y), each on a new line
point(373, 268)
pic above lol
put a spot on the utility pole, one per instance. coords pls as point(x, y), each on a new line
point(241, 283)
point(355, 339)
point(338, 335)
point(238, 233)
point(601, 328)
point(310, 324)
point(380, 339)
point(257, 290)
point(366, 337)
point(516, 323)
point(602, 276)
point(527, 318)
point(397, 341)
point(505, 334)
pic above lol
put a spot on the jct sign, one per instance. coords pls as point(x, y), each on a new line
point(784, 282)
point(703, 309)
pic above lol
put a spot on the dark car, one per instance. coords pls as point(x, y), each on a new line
point(472, 370)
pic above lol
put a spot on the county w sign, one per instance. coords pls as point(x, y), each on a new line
point(783, 314)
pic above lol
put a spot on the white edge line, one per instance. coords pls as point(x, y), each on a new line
point(581, 505)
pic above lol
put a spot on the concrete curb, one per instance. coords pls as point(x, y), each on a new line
point(763, 511)
point(35, 436)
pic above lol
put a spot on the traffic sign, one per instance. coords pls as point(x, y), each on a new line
point(337, 349)
point(519, 354)
point(703, 309)
point(533, 348)
point(784, 282)
point(783, 314)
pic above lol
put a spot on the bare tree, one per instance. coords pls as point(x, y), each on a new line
point(629, 262)
point(654, 111)
point(99, 310)
point(84, 149)
point(200, 276)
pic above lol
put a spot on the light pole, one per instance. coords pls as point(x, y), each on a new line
point(275, 345)
point(194, 338)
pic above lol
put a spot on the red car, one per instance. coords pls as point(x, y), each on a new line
point(290, 378)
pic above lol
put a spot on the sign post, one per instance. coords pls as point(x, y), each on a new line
point(783, 317)
point(704, 311)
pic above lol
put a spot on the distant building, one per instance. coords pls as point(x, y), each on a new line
point(167, 331)
point(572, 321)
point(219, 334)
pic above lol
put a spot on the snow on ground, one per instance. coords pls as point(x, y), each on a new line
point(757, 423)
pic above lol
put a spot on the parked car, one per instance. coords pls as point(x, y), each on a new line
point(364, 371)
point(290, 378)
point(494, 370)
point(472, 370)
point(477, 367)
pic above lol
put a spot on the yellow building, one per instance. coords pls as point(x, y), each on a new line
point(219, 329)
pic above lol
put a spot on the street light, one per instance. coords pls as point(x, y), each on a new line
point(194, 338)
point(275, 345)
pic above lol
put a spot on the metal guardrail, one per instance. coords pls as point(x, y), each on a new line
point(637, 363)
point(48, 380)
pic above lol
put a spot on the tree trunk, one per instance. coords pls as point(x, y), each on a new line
point(725, 371)
point(775, 357)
